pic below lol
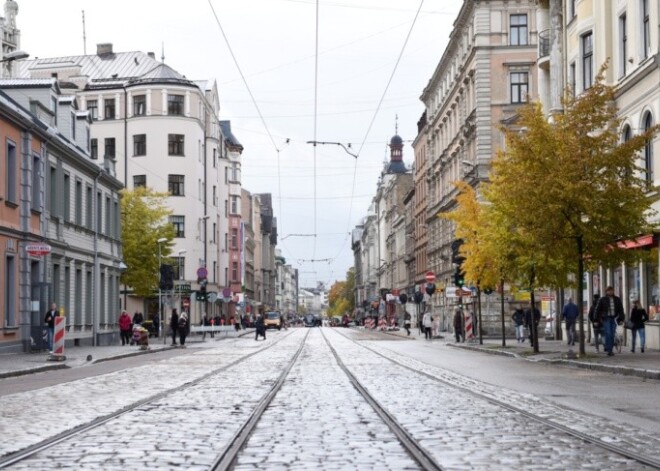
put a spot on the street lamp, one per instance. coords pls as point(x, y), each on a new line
point(181, 278)
point(160, 282)
point(13, 56)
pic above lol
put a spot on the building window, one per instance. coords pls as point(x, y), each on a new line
point(79, 202)
point(179, 223)
point(139, 105)
point(175, 105)
point(99, 213)
point(519, 87)
point(234, 238)
point(572, 11)
point(572, 77)
point(175, 185)
point(518, 30)
point(67, 197)
point(139, 181)
point(73, 126)
point(11, 178)
point(234, 272)
point(648, 149)
point(179, 268)
point(234, 205)
point(10, 292)
point(139, 144)
point(175, 144)
point(587, 61)
point(52, 201)
point(626, 134)
point(94, 149)
point(54, 107)
point(89, 207)
point(646, 29)
point(109, 148)
point(623, 45)
point(36, 183)
point(235, 172)
point(108, 216)
point(93, 109)
point(215, 195)
point(109, 108)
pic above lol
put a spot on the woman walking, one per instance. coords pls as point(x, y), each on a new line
point(427, 321)
point(174, 325)
point(638, 318)
point(183, 328)
point(125, 328)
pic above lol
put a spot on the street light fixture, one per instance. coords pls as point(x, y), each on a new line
point(13, 56)
point(160, 304)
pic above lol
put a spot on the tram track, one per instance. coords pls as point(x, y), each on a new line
point(584, 437)
point(44, 445)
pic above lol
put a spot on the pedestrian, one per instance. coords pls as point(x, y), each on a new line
point(518, 318)
point(610, 310)
point(596, 322)
point(138, 318)
point(458, 326)
point(570, 314)
point(638, 318)
point(125, 328)
point(49, 319)
point(183, 328)
point(156, 324)
point(260, 327)
point(427, 321)
point(532, 324)
point(407, 319)
point(174, 325)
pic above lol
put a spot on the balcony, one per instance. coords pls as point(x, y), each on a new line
point(544, 48)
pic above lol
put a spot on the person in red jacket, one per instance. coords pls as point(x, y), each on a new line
point(125, 327)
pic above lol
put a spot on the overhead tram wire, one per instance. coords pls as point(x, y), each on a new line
point(373, 119)
point(254, 101)
point(316, 113)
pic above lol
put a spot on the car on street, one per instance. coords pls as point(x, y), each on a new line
point(273, 320)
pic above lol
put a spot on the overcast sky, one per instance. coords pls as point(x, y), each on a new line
point(359, 42)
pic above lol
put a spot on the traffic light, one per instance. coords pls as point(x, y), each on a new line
point(202, 295)
point(166, 277)
point(418, 297)
point(430, 289)
point(459, 280)
point(456, 257)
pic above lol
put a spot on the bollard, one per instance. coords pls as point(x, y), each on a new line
point(58, 340)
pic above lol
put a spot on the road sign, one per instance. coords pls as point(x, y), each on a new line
point(186, 303)
point(38, 249)
point(202, 272)
point(430, 276)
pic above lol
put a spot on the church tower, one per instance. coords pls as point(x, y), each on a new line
point(10, 35)
point(396, 152)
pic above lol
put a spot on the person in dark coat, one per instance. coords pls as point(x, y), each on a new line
point(138, 318)
point(610, 310)
point(533, 334)
point(174, 325)
point(638, 318)
point(49, 319)
point(596, 322)
point(458, 326)
point(261, 327)
point(570, 314)
point(183, 328)
point(518, 318)
point(406, 322)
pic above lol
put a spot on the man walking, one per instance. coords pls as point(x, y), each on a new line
point(49, 319)
point(518, 317)
point(570, 314)
point(596, 322)
point(610, 310)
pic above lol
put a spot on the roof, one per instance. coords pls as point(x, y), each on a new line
point(229, 136)
point(396, 167)
point(396, 140)
point(27, 82)
point(162, 73)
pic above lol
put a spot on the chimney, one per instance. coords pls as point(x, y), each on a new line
point(151, 54)
point(103, 49)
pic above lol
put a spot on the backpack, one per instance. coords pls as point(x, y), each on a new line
point(182, 322)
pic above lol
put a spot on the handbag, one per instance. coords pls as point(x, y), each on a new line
point(629, 325)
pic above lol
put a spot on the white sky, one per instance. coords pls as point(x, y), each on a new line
point(274, 43)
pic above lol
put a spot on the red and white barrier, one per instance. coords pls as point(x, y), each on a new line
point(382, 323)
point(469, 334)
point(58, 337)
point(369, 323)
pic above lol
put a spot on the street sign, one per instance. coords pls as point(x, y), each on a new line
point(202, 272)
point(430, 276)
point(212, 297)
point(38, 249)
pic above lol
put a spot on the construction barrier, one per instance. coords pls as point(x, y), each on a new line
point(469, 334)
point(369, 323)
point(382, 323)
point(58, 337)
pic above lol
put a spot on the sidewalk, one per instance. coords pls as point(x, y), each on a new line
point(644, 365)
point(18, 364)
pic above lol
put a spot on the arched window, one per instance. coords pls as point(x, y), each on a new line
point(648, 148)
point(626, 134)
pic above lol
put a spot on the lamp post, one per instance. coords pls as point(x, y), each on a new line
point(181, 278)
point(160, 305)
point(13, 56)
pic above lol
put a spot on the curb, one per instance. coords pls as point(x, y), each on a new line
point(612, 369)
point(131, 354)
point(29, 371)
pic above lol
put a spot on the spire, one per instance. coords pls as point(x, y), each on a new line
point(162, 54)
point(396, 124)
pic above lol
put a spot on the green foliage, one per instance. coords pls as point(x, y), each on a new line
point(144, 221)
point(341, 297)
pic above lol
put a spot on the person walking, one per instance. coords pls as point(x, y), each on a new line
point(638, 318)
point(183, 326)
point(532, 321)
point(427, 322)
point(138, 318)
point(49, 319)
point(518, 318)
point(174, 325)
point(458, 326)
point(407, 319)
point(260, 327)
point(610, 310)
point(570, 314)
point(125, 328)
point(596, 322)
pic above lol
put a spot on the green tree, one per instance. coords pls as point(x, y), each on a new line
point(144, 221)
point(567, 190)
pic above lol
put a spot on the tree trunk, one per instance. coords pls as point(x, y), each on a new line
point(534, 328)
point(502, 312)
point(481, 340)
